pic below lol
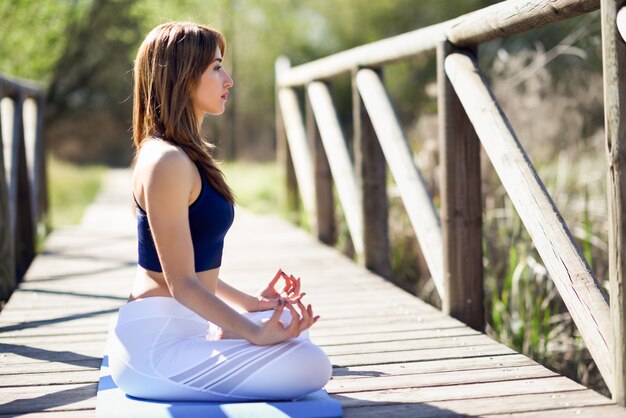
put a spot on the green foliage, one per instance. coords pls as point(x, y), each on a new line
point(71, 189)
point(34, 35)
point(254, 185)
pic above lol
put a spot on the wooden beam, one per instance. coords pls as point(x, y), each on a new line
point(373, 54)
point(14, 87)
point(299, 150)
point(324, 199)
point(371, 176)
point(339, 159)
point(498, 21)
point(571, 274)
point(283, 157)
point(510, 17)
point(30, 120)
point(614, 67)
point(24, 226)
point(7, 244)
point(461, 205)
point(413, 191)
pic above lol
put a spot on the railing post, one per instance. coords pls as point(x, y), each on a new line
point(461, 205)
point(283, 157)
point(24, 229)
point(371, 174)
point(614, 67)
point(41, 164)
point(325, 205)
point(7, 250)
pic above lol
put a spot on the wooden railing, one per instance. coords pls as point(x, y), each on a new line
point(23, 193)
point(469, 116)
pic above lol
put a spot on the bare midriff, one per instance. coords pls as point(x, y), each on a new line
point(151, 283)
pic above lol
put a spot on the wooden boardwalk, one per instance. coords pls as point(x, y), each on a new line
point(393, 355)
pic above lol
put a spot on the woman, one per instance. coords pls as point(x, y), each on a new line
point(179, 337)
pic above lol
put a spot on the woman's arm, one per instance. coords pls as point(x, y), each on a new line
point(236, 297)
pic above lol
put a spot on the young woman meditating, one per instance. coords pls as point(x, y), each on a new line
point(180, 336)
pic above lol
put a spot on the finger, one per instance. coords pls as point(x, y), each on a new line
point(307, 319)
point(294, 326)
point(277, 276)
point(297, 286)
point(286, 285)
point(275, 318)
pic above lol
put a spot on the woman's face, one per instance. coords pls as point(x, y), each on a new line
point(211, 93)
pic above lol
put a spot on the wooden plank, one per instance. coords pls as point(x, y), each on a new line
point(340, 165)
point(371, 176)
point(492, 390)
point(299, 150)
point(421, 334)
point(64, 377)
point(614, 68)
point(510, 17)
point(374, 346)
point(413, 191)
point(80, 413)
point(587, 411)
point(70, 397)
point(571, 274)
point(561, 401)
point(350, 360)
point(422, 380)
point(433, 366)
point(324, 199)
point(461, 205)
point(44, 367)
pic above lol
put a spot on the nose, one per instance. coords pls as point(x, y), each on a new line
point(228, 82)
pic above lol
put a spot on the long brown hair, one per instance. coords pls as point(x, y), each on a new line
point(168, 67)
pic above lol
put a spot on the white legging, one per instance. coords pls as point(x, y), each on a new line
point(162, 350)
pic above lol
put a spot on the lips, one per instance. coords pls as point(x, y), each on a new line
point(225, 96)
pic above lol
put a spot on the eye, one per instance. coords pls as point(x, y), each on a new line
point(218, 67)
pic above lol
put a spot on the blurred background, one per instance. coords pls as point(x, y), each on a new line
point(548, 80)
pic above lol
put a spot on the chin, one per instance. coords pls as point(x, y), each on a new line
point(217, 112)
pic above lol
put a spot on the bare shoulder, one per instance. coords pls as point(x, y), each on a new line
point(163, 165)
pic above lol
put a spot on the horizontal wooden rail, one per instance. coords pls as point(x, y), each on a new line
point(14, 87)
point(413, 191)
point(497, 21)
point(339, 160)
point(510, 17)
point(571, 274)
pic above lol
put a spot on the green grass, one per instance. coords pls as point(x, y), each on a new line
point(71, 188)
point(258, 186)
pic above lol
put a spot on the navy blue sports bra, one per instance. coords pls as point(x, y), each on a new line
point(210, 217)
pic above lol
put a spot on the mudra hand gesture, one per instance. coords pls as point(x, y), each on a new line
point(282, 287)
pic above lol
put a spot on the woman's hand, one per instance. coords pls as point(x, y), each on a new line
point(274, 292)
point(273, 331)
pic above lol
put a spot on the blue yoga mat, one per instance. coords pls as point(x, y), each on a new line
point(113, 403)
